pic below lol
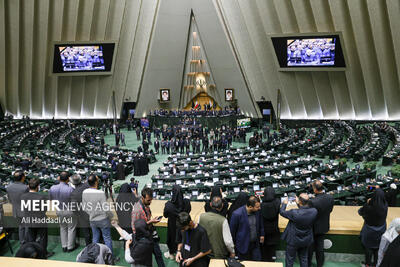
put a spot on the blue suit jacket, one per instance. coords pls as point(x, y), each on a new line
point(299, 231)
point(240, 228)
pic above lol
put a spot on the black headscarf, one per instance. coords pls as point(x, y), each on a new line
point(215, 192)
point(177, 197)
point(270, 205)
point(378, 200)
point(269, 194)
point(141, 229)
point(375, 211)
point(125, 196)
point(240, 201)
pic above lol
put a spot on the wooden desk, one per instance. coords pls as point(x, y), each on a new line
point(157, 209)
point(344, 219)
point(220, 263)
point(21, 262)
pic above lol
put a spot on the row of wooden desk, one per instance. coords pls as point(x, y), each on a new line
point(344, 219)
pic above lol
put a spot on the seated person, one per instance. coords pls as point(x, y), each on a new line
point(137, 253)
point(31, 250)
point(96, 253)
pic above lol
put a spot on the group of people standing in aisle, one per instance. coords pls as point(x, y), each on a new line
point(185, 139)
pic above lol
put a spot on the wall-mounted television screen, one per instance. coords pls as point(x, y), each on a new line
point(83, 58)
point(144, 123)
point(312, 52)
point(266, 111)
point(244, 123)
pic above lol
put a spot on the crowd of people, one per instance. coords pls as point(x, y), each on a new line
point(189, 138)
point(247, 229)
point(208, 111)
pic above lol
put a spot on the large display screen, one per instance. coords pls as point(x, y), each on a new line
point(244, 123)
point(83, 58)
point(308, 52)
point(144, 123)
point(311, 52)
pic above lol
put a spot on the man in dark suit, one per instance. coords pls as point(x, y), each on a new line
point(14, 193)
point(298, 233)
point(157, 146)
point(247, 230)
point(35, 227)
point(324, 205)
point(76, 198)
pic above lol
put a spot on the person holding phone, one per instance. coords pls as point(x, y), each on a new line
point(141, 210)
point(299, 231)
point(374, 213)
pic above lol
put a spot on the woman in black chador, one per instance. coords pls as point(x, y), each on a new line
point(171, 210)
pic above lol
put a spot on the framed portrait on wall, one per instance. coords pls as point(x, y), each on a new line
point(165, 95)
point(229, 96)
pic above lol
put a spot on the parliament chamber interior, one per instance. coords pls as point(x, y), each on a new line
point(200, 133)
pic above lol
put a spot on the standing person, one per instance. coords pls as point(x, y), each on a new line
point(218, 231)
point(117, 138)
point(387, 238)
point(270, 214)
point(35, 230)
point(172, 208)
point(62, 193)
point(14, 193)
point(120, 171)
point(138, 133)
point(194, 245)
point(157, 146)
point(247, 230)
point(374, 213)
point(392, 254)
point(122, 139)
point(163, 146)
point(240, 201)
point(391, 195)
point(298, 233)
point(216, 191)
point(124, 211)
point(141, 210)
point(324, 205)
point(139, 252)
point(76, 199)
point(99, 217)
